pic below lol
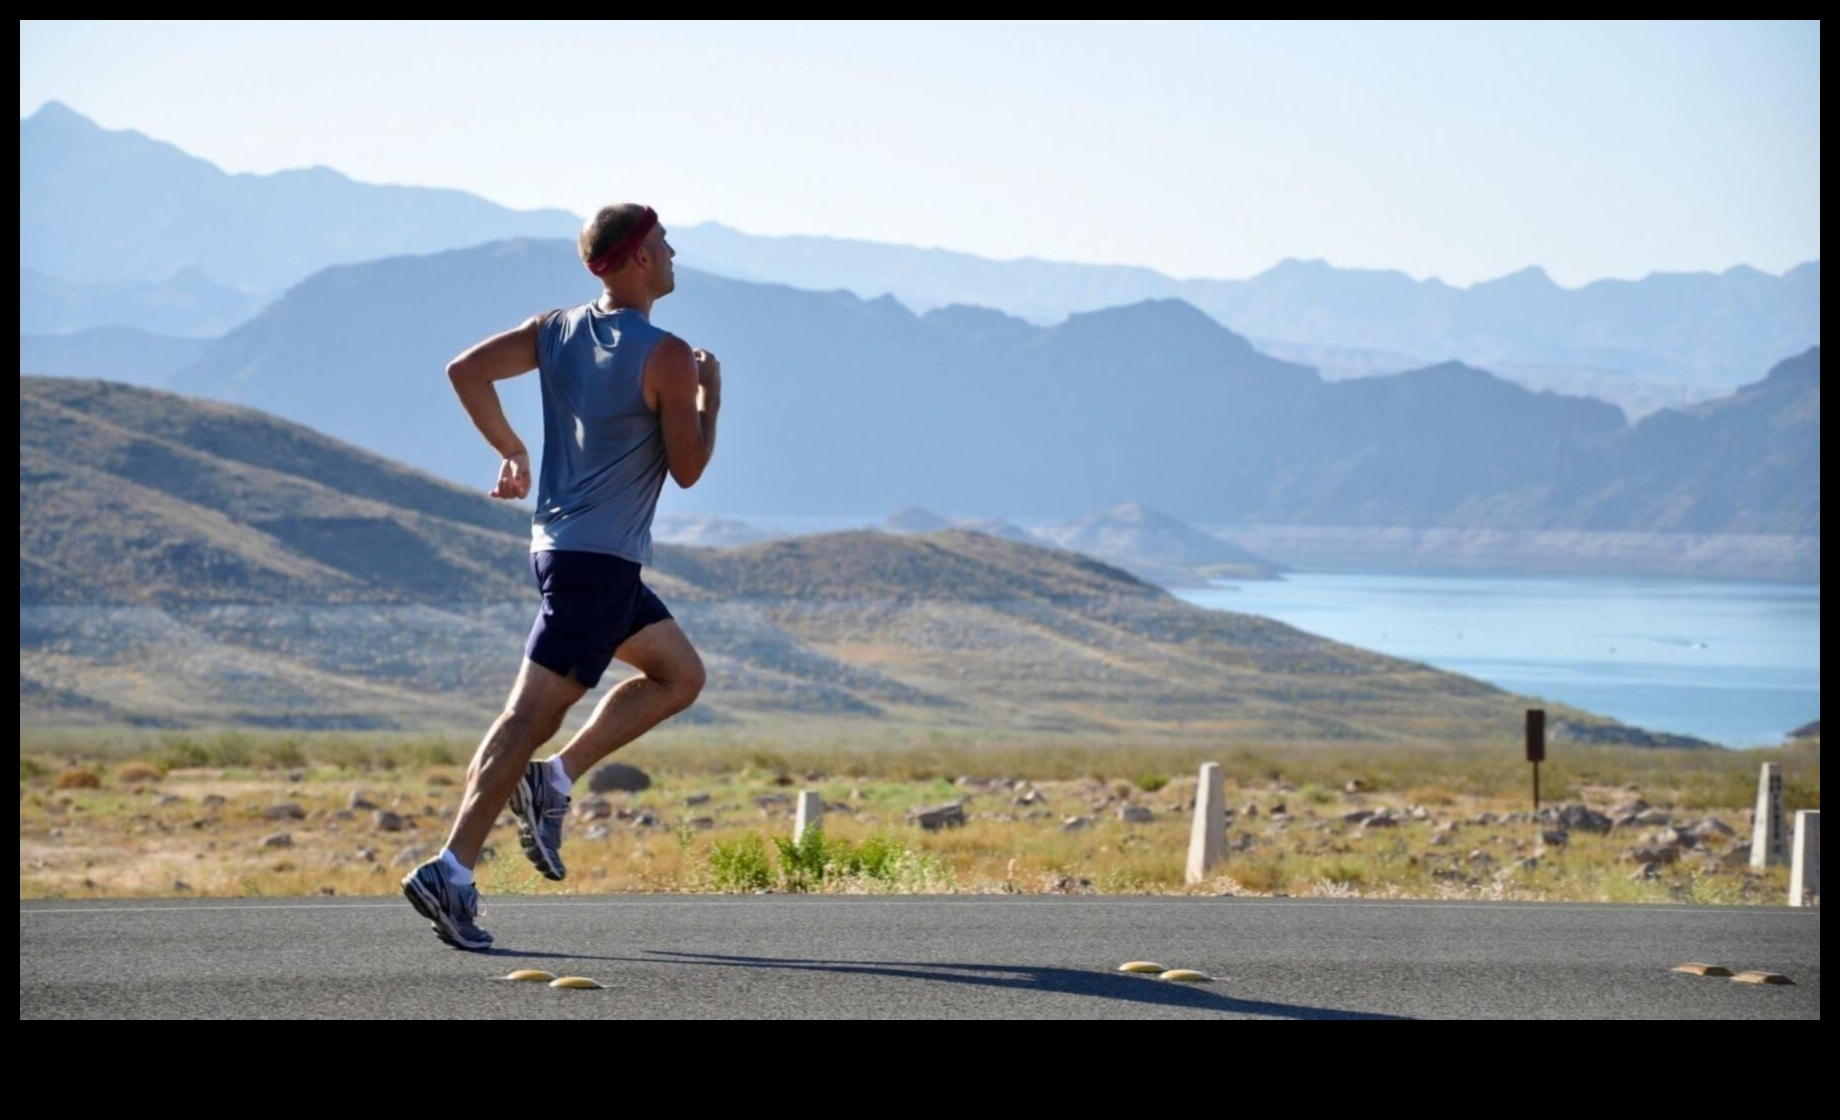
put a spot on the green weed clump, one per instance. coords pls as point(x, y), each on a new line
point(803, 862)
point(881, 861)
point(228, 750)
point(182, 754)
point(740, 864)
point(1150, 783)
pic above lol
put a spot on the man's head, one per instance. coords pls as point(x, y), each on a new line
point(624, 244)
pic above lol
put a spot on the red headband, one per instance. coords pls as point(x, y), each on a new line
point(616, 255)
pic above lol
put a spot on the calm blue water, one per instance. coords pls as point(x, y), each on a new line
point(1736, 663)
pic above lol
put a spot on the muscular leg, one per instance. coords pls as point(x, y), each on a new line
point(670, 677)
point(532, 715)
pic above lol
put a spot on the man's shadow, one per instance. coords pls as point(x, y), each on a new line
point(1123, 986)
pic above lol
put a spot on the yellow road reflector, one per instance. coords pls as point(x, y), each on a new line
point(530, 974)
point(581, 982)
point(1759, 976)
point(1141, 966)
point(1186, 975)
point(1695, 968)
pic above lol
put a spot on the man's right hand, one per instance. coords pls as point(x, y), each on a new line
point(513, 477)
point(709, 379)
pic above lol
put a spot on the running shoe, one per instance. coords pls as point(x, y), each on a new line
point(449, 907)
point(540, 811)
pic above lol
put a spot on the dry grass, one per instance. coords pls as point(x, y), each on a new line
point(140, 829)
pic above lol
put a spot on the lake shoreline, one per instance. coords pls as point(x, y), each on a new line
point(1733, 662)
point(1742, 557)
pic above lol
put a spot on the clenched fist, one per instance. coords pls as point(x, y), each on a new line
point(709, 379)
point(513, 478)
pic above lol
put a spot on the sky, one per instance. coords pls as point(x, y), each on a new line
point(1460, 151)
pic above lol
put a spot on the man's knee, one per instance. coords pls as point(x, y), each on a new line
point(684, 680)
point(529, 722)
point(534, 718)
point(535, 709)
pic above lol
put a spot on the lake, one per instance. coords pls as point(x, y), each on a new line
point(1736, 663)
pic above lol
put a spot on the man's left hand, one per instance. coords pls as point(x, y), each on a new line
point(513, 477)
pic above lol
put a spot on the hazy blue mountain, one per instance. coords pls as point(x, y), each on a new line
point(104, 205)
point(705, 530)
point(1750, 462)
point(1037, 290)
point(186, 303)
point(1157, 547)
point(112, 353)
point(1701, 329)
point(913, 519)
point(214, 245)
point(838, 406)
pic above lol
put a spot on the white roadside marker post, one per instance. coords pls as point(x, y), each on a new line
point(1767, 821)
point(1207, 838)
point(1805, 868)
point(811, 814)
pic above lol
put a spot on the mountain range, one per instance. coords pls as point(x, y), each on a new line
point(138, 357)
point(189, 563)
point(1155, 546)
point(185, 304)
point(108, 207)
point(1709, 330)
point(837, 405)
point(191, 249)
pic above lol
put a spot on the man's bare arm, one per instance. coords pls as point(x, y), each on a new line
point(508, 354)
point(675, 377)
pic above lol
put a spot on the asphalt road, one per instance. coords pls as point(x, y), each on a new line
point(928, 957)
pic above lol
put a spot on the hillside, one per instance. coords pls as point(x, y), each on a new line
point(185, 562)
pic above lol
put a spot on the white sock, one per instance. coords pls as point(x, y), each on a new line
point(558, 777)
point(457, 873)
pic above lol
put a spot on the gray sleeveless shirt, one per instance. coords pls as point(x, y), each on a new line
point(603, 449)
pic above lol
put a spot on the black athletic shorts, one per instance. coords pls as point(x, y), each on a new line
point(592, 603)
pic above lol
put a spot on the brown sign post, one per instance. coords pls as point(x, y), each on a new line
point(1536, 748)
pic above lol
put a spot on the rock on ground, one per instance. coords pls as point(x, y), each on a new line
point(617, 777)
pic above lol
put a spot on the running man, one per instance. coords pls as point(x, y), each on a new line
point(624, 403)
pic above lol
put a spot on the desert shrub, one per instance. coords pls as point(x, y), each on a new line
point(879, 857)
point(230, 749)
point(1260, 878)
point(30, 770)
point(1345, 873)
point(346, 754)
point(79, 777)
point(802, 863)
point(882, 860)
point(1150, 783)
point(767, 762)
point(182, 754)
point(429, 752)
point(283, 755)
point(128, 773)
point(740, 864)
